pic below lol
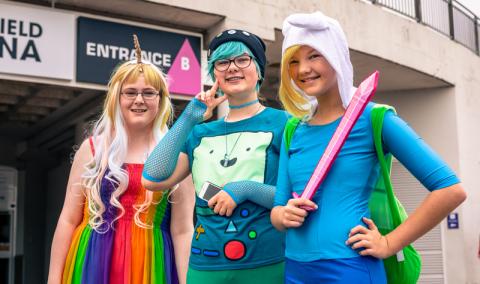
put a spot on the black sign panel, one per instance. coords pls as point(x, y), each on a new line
point(102, 45)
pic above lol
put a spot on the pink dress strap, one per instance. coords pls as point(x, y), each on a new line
point(90, 139)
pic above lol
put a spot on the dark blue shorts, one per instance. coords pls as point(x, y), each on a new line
point(359, 270)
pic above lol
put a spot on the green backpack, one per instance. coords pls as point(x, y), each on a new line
point(386, 210)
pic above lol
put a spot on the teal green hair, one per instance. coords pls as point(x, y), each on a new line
point(229, 50)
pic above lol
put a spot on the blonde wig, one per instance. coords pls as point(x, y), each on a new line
point(111, 143)
point(290, 96)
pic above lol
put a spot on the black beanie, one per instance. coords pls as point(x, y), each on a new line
point(253, 42)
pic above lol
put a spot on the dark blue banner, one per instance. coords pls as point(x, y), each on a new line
point(102, 45)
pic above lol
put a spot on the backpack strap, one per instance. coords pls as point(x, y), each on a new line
point(289, 130)
point(377, 116)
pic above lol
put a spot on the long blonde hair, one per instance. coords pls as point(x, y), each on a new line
point(291, 99)
point(111, 143)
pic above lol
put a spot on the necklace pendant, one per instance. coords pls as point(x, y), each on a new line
point(225, 160)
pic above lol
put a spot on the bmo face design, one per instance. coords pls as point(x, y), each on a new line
point(229, 238)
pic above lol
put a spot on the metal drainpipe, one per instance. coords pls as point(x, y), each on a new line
point(418, 10)
point(450, 19)
point(475, 24)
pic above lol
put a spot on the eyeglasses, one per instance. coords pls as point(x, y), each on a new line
point(242, 62)
point(148, 94)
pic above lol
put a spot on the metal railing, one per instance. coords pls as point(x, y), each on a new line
point(448, 17)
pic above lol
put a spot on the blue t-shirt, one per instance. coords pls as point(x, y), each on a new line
point(246, 239)
point(344, 194)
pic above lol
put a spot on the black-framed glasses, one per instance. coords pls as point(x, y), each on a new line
point(148, 94)
point(241, 61)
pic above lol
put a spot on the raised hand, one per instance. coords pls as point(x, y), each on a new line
point(208, 98)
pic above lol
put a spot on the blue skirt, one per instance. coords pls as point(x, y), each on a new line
point(359, 270)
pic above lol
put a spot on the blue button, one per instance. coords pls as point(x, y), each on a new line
point(196, 250)
point(211, 253)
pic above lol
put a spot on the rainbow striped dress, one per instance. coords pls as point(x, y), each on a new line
point(128, 253)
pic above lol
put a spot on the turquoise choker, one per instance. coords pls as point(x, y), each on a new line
point(243, 105)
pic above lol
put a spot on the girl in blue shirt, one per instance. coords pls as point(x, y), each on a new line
point(331, 244)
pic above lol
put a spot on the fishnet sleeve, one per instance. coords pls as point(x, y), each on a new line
point(257, 192)
point(162, 161)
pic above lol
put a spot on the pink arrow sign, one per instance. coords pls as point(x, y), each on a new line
point(184, 75)
point(362, 96)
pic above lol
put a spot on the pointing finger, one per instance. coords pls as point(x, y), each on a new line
point(214, 88)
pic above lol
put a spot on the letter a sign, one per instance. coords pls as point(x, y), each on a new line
point(36, 42)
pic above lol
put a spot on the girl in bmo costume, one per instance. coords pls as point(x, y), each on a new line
point(233, 241)
point(336, 243)
point(111, 230)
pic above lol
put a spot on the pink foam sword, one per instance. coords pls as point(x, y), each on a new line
point(362, 96)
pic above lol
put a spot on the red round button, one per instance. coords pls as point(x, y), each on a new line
point(234, 250)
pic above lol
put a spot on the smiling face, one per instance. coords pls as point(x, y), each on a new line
point(237, 76)
point(312, 73)
point(139, 111)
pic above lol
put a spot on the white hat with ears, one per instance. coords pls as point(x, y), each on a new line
point(326, 36)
